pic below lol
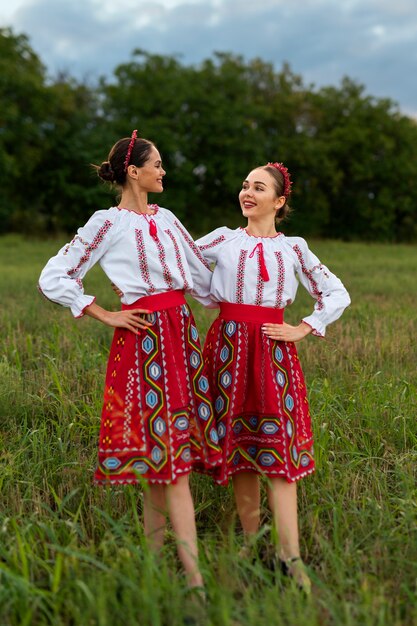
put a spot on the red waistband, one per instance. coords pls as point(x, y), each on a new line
point(251, 313)
point(158, 302)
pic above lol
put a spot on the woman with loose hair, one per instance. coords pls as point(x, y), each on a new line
point(157, 421)
point(259, 393)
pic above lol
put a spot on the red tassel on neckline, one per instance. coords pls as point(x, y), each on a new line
point(261, 259)
point(153, 231)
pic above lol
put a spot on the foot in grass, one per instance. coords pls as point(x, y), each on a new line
point(295, 569)
point(195, 613)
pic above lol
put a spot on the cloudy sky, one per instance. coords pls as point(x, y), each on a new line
point(372, 41)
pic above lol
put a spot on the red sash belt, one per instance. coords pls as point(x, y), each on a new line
point(158, 302)
point(251, 313)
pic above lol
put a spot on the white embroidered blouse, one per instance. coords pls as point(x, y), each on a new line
point(141, 254)
point(266, 271)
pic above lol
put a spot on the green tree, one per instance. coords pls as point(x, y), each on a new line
point(47, 141)
point(365, 171)
point(23, 101)
point(69, 192)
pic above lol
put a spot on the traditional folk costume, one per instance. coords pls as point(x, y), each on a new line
point(258, 387)
point(157, 421)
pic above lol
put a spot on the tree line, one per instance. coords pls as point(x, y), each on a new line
point(353, 157)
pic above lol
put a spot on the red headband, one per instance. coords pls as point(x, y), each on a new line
point(285, 173)
point(130, 148)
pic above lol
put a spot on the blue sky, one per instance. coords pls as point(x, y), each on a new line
point(372, 41)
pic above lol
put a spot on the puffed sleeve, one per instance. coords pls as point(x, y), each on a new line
point(61, 278)
point(326, 288)
point(210, 244)
point(199, 267)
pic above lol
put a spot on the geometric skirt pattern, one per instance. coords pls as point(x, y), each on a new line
point(157, 420)
point(260, 402)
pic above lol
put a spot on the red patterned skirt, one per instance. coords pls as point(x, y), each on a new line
point(260, 401)
point(157, 420)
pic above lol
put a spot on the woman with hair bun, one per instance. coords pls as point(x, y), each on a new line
point(157, 421)
point(258, 388)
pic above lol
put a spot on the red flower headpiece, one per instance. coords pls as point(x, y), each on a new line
point(130, 148)
point(286, 175)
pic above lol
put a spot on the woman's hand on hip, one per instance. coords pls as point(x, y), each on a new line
point(131, 319)
point(286, 332)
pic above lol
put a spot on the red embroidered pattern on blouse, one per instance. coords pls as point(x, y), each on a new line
point(259, 281)
point(191, 244)
point(213, 243)
point(143, 265)
point(309, 273)
point(91, 246)
point(165, 269)
point(280, 279)
point(240, 276)
point(68, 246)
point(321, 268)
point(178, 258)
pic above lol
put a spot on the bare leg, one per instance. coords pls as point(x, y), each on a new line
point(282, 498)
point(247, 492)
point(181, 514)
point(154, 515)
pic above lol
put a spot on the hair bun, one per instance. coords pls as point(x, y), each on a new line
point(105, 171)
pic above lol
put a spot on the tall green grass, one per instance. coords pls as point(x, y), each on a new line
point(72, 553)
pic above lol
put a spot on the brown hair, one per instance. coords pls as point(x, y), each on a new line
point(113, 170)
point(279, 184)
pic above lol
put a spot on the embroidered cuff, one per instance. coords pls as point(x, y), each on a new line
point(81, 303)
point(319, 329)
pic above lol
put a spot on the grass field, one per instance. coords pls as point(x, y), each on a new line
point(74, 554)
